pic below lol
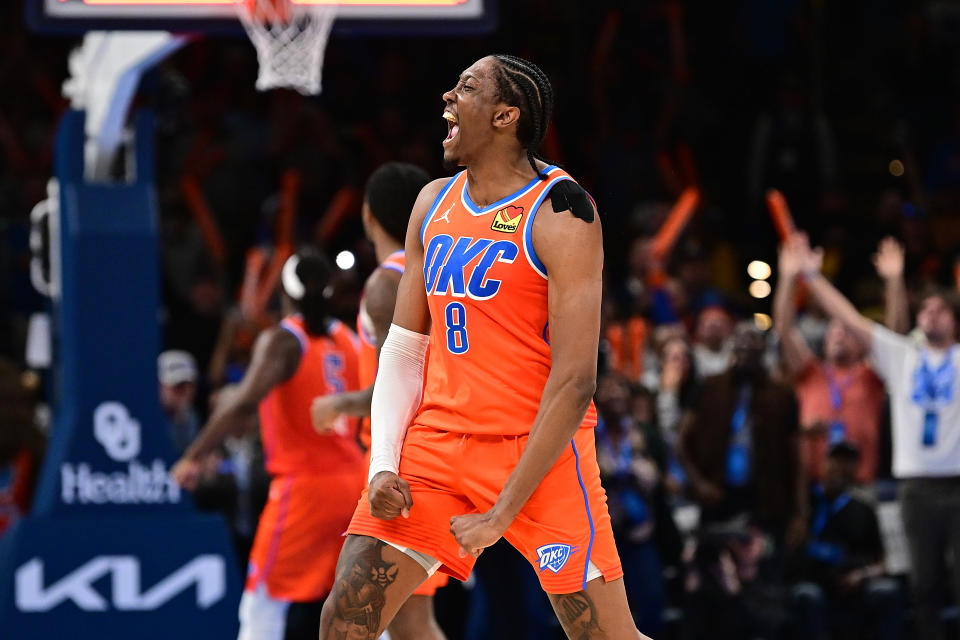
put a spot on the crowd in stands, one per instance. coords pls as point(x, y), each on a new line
point(767, 459)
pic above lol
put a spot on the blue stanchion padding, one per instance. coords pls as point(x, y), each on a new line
point(113, 548)
point(109, 451)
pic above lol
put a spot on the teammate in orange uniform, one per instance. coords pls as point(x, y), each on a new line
point(501, 442)
point(315, 477)
point(389, 195)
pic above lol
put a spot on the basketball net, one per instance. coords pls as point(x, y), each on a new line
point(290, 40)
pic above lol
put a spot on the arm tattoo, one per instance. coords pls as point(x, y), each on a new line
point(360, 591)
point(577, 614)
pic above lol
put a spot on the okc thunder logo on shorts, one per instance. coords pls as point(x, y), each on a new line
point(554, 556)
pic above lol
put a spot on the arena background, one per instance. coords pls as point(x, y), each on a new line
point(850, 109)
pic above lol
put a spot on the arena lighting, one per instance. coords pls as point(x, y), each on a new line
point(346, 260)
point(386, 3)
point(759, 270)
point(759, 289)
point(763, 321)
point(895, 168)
point(201, 15)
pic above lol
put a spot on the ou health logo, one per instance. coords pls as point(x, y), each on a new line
point(117, 431)
point(554, 556)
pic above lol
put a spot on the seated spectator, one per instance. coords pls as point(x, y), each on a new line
point(177, 371)
point(738, 445)
point(839, 584)
point(840, 397)
point(723, 598)
point(712, 341)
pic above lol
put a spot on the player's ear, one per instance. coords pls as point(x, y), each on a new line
point(505, 116)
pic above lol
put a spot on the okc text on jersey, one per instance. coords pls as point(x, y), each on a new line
point(446, 270)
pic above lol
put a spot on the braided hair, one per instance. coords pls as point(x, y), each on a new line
point(313, 273)
point(523, 84)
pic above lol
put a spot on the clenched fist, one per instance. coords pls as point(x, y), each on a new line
point(389, 496)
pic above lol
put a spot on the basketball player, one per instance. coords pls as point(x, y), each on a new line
point(502, 443)
point(316, 478)
point(389, 196)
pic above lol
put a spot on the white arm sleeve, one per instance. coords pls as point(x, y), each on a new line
point(396, 396)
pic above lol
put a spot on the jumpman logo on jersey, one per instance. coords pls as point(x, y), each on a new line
point(446, 215)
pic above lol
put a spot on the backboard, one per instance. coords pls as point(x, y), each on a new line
point(437, 17)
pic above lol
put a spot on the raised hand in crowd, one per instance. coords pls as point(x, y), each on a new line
point(889, 261)
point(795, 259)
point(793, 255)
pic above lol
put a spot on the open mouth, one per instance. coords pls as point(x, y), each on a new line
point(453, 128)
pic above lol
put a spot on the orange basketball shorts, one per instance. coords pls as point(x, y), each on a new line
point(562, 530)
point(300, 533)
point(433, 583)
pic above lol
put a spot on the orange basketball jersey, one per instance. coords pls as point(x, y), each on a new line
point(487, 293)
point(328, 364)
point(368, 344)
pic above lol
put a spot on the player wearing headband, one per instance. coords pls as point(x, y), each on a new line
point(503, 282)
point(316, 478)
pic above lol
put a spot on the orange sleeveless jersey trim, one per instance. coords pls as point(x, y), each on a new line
point(368, 348)
point(316, 478)
point(396, 261)
point(487, 294)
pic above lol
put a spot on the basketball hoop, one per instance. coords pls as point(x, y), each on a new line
point(290, 40)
